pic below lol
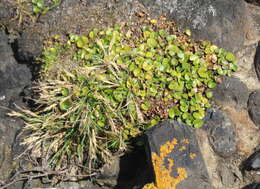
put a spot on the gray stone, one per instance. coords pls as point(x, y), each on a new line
point(226, 175)
point(186, 153)
point(222, 22)
point(231, 92)
point(252, 162)
point(29, 45)
point(221, 133)
point(257, 61)
point(13, 78)
point(4, 11)
point(254, 107)
point(112, 169)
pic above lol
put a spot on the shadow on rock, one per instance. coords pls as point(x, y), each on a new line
point(252, 163)
point(135, 171)
point(255, 2)
point(253, 186)
point(257, 61)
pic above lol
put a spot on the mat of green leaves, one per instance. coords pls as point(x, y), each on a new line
point(98, 91)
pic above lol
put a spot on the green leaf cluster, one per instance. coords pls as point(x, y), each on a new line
point(100, 90)
point(43, 6)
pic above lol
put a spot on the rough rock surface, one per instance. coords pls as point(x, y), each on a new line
point(246, 72)
point(13, 78)
point(4, 12)
point(255, 15)
point(223, 22)
point(29, 45)
point(226, 175)
point(254, 107)
point(221, 132)
point(186, 153)
point(232, 92)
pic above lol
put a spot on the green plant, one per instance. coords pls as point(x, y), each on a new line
point(43, 6)
point(98, 91)
point(32, 8)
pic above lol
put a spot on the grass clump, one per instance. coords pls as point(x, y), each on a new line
point(32, 9)
point(98, 91)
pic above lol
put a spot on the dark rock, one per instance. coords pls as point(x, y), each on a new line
point(253, 162)
point(111, 170)
point(257, 61)
point(254, 107)
point(29, 45)
point(4, 11)
point(223, 22)
point(253, 186)
point(185, 154)
point(13, 78)
point(232, 92)
point(255, 2)
point(10, 128)
point(109, 174)
point(221, 132)
point(134, 169)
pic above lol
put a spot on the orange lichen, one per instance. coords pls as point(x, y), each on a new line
point(192, 155)
point(182, 148)
point(185, 141)
point(163, 178)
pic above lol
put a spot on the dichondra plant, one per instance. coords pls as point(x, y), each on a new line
point(99, 90)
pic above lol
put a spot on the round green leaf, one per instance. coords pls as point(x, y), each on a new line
point(36, 9)
point(194, 57)
point(230, 57)
point(188, 32)
point(65, 92)
point(177, 86)
point(233, 67)
point(203, 72)
point(198, 115)
point(40, 4)
point(184, 107)
point(212, 84)
point(152, 42)
point(198, 123)
point(65, 105)
point(153, 122)
point(209, 94)
point(171, 113)
point(177, 95)
point(145, 106)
